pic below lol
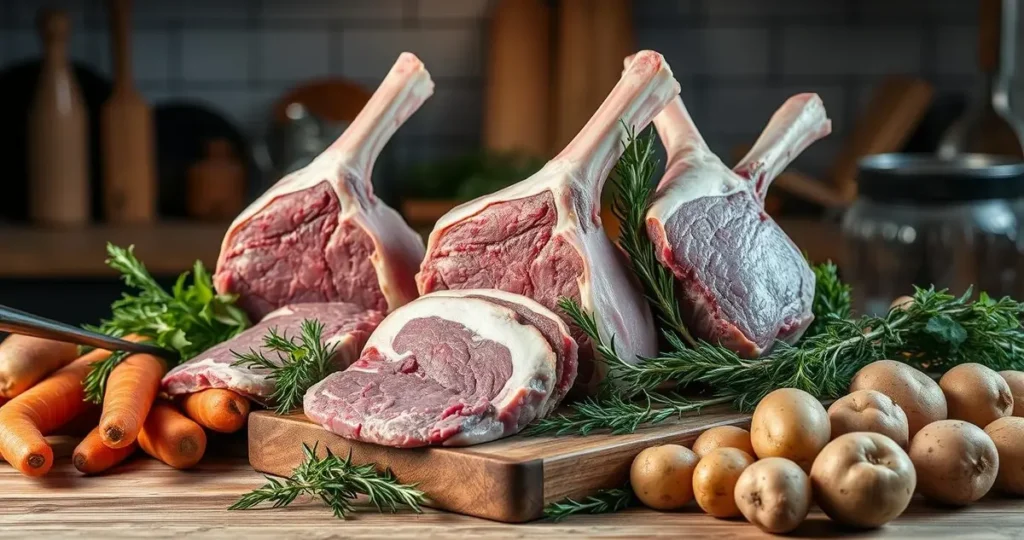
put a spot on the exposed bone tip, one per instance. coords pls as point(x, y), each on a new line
point(408, 61)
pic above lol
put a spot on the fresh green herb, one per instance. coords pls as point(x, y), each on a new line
point(298, 364)
point(337, 482)
point(188, 319)
point(617, 414)
point(934, 333)
point(602, 502)
point(634, 190)
point(831, 297)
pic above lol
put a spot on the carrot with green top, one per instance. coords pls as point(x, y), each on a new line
point(131, 389)
point(217, 409)
point(172, 437)
point(40, 410)
point(92, 456)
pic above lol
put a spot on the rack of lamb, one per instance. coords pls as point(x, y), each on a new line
point(542, 237)
point(320, 234)
point(744, 283)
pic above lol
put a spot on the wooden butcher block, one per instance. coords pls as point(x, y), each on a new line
point(509, 480)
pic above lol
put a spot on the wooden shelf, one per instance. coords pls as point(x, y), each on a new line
point(167, 249)
point(170, 248)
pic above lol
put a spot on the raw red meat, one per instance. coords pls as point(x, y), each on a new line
point(744, 283)
point(542, 237)
point(453, 368)
point(320, 234)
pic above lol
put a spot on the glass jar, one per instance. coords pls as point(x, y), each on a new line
point(921, 220)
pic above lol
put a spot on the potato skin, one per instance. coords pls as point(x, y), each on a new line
point(662, 476)
point(790, 423)
point(872, 411)
point(1015, 380)
point(1007, 434)
point(976, 394)
point(714, 481)
point(863, 480)
point(916, 393)
point(723, 437)
point(774, 494)
point(956, 462)
point(25, 360)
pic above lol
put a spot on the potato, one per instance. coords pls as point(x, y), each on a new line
point(902, 302)
point(789, 423)
point(916, 393)
point(1015, 380)
point(774, 494)
point(956, 462)
point(1007, 434)
point(863, 479)
point(723, 437)
point(662, 476)
point(977, 394)
point(714, 481)
point(868, 410)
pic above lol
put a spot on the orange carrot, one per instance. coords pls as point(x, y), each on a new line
point(172, 437)
point(131, 389)
point(217, 409)
point(25, 360)
point(41, 409)
point(93, 456)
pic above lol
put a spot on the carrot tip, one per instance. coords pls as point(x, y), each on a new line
point(80, 462)
point(36, 461)
point(233, 407)
point(113, 433)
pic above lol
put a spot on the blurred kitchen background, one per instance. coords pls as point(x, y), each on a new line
point(236, 93)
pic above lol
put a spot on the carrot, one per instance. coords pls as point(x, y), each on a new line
point(25, 360)
point(93, 456)
point(172, 437)
point(42, 409)
point(217, 409)
point(131, 390)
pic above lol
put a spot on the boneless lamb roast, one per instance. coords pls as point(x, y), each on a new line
point(320, 234)
point(346, 325)
point(542, 237)
point(452, 368)
point(743, 281)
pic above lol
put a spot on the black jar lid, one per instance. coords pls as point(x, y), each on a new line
point(928, 179)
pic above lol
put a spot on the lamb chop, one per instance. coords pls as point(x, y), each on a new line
point(320, 234)
point(744, 283)
point(542, 237)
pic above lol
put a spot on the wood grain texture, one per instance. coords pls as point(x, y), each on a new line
point(145, 499)
point(507, 480)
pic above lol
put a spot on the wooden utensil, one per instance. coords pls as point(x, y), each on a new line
point(517, 92)
point(991, 127)
point(128, 141)
point(216, 185)
point(506, 480)
point(58, 148)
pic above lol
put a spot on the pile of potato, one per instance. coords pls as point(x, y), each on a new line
point(896, 433)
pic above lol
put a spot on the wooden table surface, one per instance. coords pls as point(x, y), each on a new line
point(146, 499)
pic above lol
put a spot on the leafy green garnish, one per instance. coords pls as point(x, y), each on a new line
point(604, 501)
point(190, 318)
point(831, 297)
point(337, 482)
point(298, 364)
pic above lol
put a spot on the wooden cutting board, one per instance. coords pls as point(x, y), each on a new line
point(510, 480)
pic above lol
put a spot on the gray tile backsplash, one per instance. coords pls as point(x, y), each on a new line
point(737, 60)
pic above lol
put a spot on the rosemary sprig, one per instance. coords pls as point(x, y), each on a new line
point(935, 333)
point(634, 190)
point(604, 501)
point(617, 414)
point(337, 482)
point(297, 365)
point(831, 297)
point(189, 319)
